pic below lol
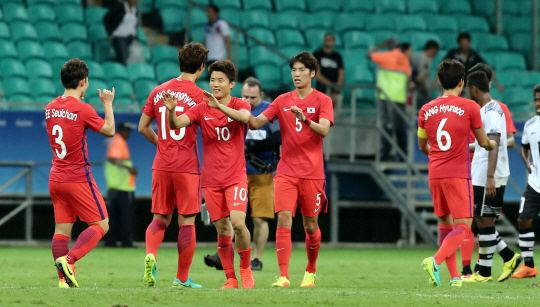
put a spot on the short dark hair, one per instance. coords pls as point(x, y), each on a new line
point(226, 67)
point(431, 44)
point(482, 67)
point(463, 35)
point(306, 58)
point(478, 79)
point(331, 34)
point(191, 57)
point(214, 7)
point(404, 46)
point(252, 81)
point(450, 72)
point(536, 89)
point(73, 72)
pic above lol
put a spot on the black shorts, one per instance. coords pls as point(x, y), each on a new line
point(488, 206)
point(529, 207)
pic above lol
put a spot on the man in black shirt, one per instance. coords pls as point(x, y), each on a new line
point(331, 64)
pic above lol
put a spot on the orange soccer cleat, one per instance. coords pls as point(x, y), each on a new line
point(248, 282)
point(231, 283)
point(524, 272)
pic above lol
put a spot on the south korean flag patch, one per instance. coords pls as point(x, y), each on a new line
point(311, 110)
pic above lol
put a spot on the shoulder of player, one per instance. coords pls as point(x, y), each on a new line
point(239, 103)
point(531, 121)
point(493, 106)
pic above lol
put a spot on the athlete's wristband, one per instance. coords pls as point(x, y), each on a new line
point(307, 121)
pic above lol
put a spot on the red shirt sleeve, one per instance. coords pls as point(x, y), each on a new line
point(194, 113)
point(327, 110)
point(509, 122)
point(92, 119)
point(476, 118)
point(271, 111)
point(421, 118)
point(243, 105)
point(149, 106)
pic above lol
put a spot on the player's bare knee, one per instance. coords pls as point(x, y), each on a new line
point(284, 220)
point(238, 227)
point(164, 218)
point(524, 223)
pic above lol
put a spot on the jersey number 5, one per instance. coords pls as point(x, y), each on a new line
point(440, 134)
point(164, 126)
point(58, 130)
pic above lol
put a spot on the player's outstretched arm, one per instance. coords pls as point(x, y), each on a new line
point(321, 128)
point(510, 140)
point(241, 116)
point(175, 122)
point(146, 130)
point(257, 122)
point(423, 143)
point(483, 140)
point(526, 156)
point(107, 98)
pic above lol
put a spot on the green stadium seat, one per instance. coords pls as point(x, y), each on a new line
point(166, 72)
point(49, 2)
point(517, 96)
point(140, 71)
point(94, 15)
point(231, 15)
point(122, 88)
point(521, 42)
point(527, 79)
point(5, 33)
point(146, 53)
point(236, 91)
point(322, 20)
point(164, 53)
point(15, 86)
point(202, 84)
point(286, 78)
point(355, 57)
point(489, 58)
point(160, 4)
point(285, 5)
point(442, 24)
point(30, 50)
point(357, 74)
point(73, 32)
point(69, 13)
point(315, 6)
point(513, 25)
point(379, 22)
point(508, 79)
point(469, 23)
point(455, 7)
point(173, 19)
point(492, 42)
point(357, 39)
point(484, 8)
point(14, 12)
point(239, 35)
point(41, 86)
point(197, 34)
point(289, 37)
point(257, 5)
point(509, 61)
point(380, 36)
point(92, 94)
point(7, 50)
point(263, 35)
point(41, 12)
point(260, 55)
point(115, 70)
point(422, 6)
point(122, 101)
point(21, 98)
point(315, 38)
point(449, 41)
point(1, 15)
point(104, 52)
point(141, 36)
point(390, 6)
point(12, 68)
point(419, 39)
point(44, 98)
point(255, 19)
point(147, 6)
point(233, 4)
point(95, 71)
point(48, 31)
point(269, 75)
point(80, 50)
point(350, 21)
point(513, 7)
point(143, 88)
point(56, 50)
point(367, 6)
point(21, 30)
point(197, 18)
point(243, 58)
point(410, 23)
point(97, 33)
point(291, 51)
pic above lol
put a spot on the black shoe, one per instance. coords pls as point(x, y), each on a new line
point(213, 261)
point(256, 264)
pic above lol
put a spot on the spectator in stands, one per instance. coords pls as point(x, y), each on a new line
point(421, 64)
point(393, 79)
point(121, 24)
point(332, 71)
point(120, 176)
point(217, 36)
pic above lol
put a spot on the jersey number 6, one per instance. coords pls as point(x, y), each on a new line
point(441, 133)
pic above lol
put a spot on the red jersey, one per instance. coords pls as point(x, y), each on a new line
point(301, 148)
point(68, 121)
point(176, 149)
point(224, 160)
point(448, 121)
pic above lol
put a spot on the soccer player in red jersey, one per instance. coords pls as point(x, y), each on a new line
point(223, 122)
point(176, 171)
point(305, 116)
point(71, 185)
point(443, 135)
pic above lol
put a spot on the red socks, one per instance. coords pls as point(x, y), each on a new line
point(447, 251)
point(226, 254)
point(284, 249)
point(154, 236)
point(467, 248)
point(59, 248)
point(313, 243)
point(245, 258)
point(186, 249)
point(88, 239)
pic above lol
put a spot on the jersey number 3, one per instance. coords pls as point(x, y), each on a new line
point(440, 134)
point(58, 130)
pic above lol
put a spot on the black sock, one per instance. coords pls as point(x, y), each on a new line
point(504, 251)
point(466, 270)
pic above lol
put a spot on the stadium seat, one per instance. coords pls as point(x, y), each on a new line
point(322, 20)
point(513, 25)
point(32, 2)
point(12, 68)
point(94, 15)
point(202, 84)
point(139, 71)
point(122, 101)
point(513, 8)
point(390, 6)
point(97, 33)
point(419, 39)
point(236, 91)
point(48, 31)
point(166, 72)
point(115, 70)
point(422, 6)
point(284, 5)
point(492, 42)
point(39, 68)
point(359, 75)
point(197, 18)
point(5, 33)
point(469, 23)
point(286, 78)
point(173, 19)
point(263, 35)
point(255, 19)
point(197, 34)
point(455, 7)
point(251, 5)
point(41, 12)
point(147, 6)
point(357, 39)
point(80, 50)
point(260, 55)
point(381, 35)
point(323, 6)
point(161, 4)
point(509, 61)
point(164, 53)
point(21, 98)
point(528, 79)
point(291, 51)
point(95, 71)
point(517, 96)
point(44, 98)
point(143, 88)
point(16, 86)
point(56, 50)
point(367, 6)
point(21, 30)
point(30, 50)
point(315, 38)
point(289, 37)
point(285, 20)
point(484, 8)
point(442, 24)
point(67, 13)
point(123, 88)
point(355, 57)
point(73, 32)
point(379, 22)
point(231, 15)
point(243, 58)
point(509, 79)
point(521, 42)
point(410, 23)
point(350, 21)
point(14, 12)
point(92, 94)
point(104, 52)
point(237, 36)
point(141, 36)
point(41, 86)
point(7, 50)
point(233, 4)
point(269, 75)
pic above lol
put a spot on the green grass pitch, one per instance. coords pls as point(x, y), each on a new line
point(347, 277)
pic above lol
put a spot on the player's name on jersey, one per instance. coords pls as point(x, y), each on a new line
point(443, 109)
point(182, 97)
point(60, 113)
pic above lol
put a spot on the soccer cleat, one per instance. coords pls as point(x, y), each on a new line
point(476, 277)
point(456, 282)
point(150, 277)
point(68, 270)
point(256, 264)
point(213, 261)
point(231, 283)
point(524, 272)
point(432, 268)
point(282, 281)
point(187, 284)
point(509, 267)
point(248, 282)
point(466, 273)
point(466, 276)
point(62, 283)
point(309, 280)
